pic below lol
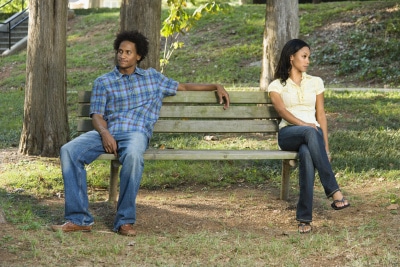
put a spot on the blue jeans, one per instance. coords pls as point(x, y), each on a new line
point(312, 155)
point(85, 149)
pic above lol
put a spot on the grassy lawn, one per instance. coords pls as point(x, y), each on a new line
point(223, 213)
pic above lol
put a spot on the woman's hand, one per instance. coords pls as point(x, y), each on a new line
point(313, 125)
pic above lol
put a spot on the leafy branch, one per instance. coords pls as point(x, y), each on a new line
point(180, 21)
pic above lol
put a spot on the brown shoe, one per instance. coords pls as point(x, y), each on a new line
point(126, 229)
point(71, 227)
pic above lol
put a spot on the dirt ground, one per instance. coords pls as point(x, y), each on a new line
point(238, 207)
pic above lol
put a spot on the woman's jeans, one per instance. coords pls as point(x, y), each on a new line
point(310, 144)
point(85, 149)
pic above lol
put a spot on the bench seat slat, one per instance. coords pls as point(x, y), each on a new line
point(203, 126)
point(179, 154)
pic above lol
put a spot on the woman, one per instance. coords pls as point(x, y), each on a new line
point(299, 100)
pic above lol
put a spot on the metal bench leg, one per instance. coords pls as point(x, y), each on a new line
point(113, 190)
point(286, 164)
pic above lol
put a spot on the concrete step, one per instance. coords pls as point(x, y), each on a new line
point(17, 34)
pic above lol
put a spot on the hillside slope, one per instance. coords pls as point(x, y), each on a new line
point(354, 44)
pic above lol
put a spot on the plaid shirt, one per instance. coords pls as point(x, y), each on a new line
point(131, 103)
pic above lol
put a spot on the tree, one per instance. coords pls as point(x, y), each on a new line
point(144, 16)
point(180, 22)
point(45, 124)
point(281, 25)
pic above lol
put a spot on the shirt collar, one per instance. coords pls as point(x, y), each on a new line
point(119, 75)
point(304, 76)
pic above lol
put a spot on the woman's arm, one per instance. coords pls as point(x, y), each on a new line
point(222, 93)
point(284, 113)
point(321, 118)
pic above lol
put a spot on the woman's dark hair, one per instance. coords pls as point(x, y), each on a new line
point(283, 68)
point(140, 41)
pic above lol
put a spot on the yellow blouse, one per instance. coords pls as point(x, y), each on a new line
point(299, 100)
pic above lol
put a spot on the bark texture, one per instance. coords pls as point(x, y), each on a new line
point(145, 17)
point(45, 124)
point(281, 25)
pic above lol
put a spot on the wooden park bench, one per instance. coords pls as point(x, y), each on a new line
point(200, 112)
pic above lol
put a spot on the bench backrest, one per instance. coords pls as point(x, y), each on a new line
point(200, 112)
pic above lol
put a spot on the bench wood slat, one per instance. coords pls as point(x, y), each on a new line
point(187, 97)
point(202, 126)
point(215, 126)
point(234, 112)
point(183, 154)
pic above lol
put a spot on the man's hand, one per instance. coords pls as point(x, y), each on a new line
point(223, 96)
point(222, 93)
point(109, 143)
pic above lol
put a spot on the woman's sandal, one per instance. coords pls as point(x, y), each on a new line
point(335, 207)
point(304, 227)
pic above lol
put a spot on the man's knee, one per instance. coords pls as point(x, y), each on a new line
point(131, 155)
point(65, 149)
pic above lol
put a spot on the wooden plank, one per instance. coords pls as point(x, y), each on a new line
point(285, 181)
point(203, 126)
point(236, 97)
point(84, 125)
point(84, 110)
point(233, 112)
point(215, 126)
point(240, 112)
point(84, 96)
point(239, 97)
point(179, 154)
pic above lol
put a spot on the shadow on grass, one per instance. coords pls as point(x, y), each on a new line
point(26, 211)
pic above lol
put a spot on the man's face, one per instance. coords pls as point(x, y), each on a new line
point(127, 57)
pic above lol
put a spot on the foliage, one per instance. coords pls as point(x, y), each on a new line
point(357, 42)
point(12, 6)
point(180, 22)
point(351, 46)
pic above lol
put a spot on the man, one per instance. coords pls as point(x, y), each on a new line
point(125, 105)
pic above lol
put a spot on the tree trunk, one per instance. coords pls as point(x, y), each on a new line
point(145, 17)
point(45, 125)
point(281, 25)
point(94, 3)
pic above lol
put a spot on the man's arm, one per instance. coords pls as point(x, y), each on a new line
point(100, 125)
point(222, 93)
